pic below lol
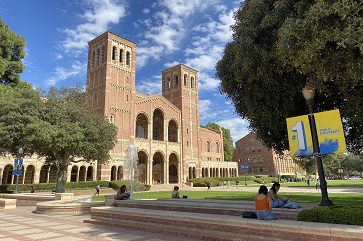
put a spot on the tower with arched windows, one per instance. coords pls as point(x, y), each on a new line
point(172, 147)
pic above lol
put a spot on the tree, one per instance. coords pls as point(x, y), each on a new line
point(227, 140)
point(278, 48)
point(61, 127)
point(11, 53)
point(19, 108)
point(352, 165)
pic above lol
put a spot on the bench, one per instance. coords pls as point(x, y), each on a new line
point(219, 227)
point(225, 207)
point(6, 203)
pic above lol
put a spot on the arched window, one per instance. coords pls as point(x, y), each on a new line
point(185, 80)
point(128, 58)
point(176, 81)
point(192, 83)
point(98, 56)
point(168, 83)
point(140, 131)
point(217, 147)
point(93, 59)
point(112, 119)
point(113, 52)
point(208, 146)
point(120, 56)
point(102, 54)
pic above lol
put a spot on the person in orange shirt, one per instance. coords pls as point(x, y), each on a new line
point(263, 205)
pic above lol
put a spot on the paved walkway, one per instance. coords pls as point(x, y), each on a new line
point(23, 224)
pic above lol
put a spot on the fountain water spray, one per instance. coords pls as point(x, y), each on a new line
point(131, 163)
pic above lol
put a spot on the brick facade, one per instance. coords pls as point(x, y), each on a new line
point(261, 159)
point(172, 147)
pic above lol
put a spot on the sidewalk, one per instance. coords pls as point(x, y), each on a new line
point(22, 224)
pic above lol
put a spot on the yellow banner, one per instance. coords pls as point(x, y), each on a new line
point(330, 132)
point(300, 141)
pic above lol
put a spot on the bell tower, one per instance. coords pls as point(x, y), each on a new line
point(180, 87)
point(111, 86)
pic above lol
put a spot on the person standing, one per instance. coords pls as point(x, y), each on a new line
point(237, 183)
point(263, 205)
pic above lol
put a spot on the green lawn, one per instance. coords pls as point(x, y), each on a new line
point(331, 183)
point(339, 199)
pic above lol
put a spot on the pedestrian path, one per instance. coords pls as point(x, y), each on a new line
point(22, 224)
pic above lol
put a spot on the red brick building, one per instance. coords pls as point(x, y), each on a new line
point(172, 147)
point(261, 159)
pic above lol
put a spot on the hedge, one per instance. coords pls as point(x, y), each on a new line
point(9, 188)
point(333, 214)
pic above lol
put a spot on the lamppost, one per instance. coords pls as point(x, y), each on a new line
point(18, 166)
point(308, 94)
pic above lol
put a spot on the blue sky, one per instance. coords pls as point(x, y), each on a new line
point(167, 32)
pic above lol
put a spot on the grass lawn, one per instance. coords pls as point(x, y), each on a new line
point(331, 183)
point(339, 199)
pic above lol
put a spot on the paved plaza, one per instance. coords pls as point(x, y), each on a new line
point(23, 224)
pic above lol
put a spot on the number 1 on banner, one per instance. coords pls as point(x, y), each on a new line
point(301, 137)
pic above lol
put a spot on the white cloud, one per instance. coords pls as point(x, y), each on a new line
point(150, 86)
point(237, 126)
point(61, 73)
point(97, 19)
point(146, 10)
point(170, 25)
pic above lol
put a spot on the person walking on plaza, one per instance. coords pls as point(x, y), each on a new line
point(97, 190)
point(317, 185)
point(224, 184)
point(263, 205)
point(208, 185)
point(237, 183)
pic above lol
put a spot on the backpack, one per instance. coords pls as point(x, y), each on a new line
point(249, 214)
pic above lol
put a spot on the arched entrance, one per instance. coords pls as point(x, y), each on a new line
point(29, 174)
point(142, 167)
point(158, 168)
point(113, 173)
point(82, 174)
point(90, 173)
point(173, 168)
point(74, 173)
point(8, 174)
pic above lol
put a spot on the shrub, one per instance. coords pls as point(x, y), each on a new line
point(136, 185)
point(202, 182)
point(334, 214)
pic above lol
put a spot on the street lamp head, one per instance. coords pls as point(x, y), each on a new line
point(20, 150)
point(308, 93)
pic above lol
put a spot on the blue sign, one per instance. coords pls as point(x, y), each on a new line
point(18, 163)
point(244, 166)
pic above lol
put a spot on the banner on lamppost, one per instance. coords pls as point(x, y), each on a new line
point(329, 131)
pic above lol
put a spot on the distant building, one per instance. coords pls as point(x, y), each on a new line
point(261, 159)
point(171, 145)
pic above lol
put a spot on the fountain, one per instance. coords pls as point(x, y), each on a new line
point(131, 164)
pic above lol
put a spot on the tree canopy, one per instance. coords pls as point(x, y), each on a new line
point(278, 48)
point(60, 127)
point(227, 140)
point(11, 53)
